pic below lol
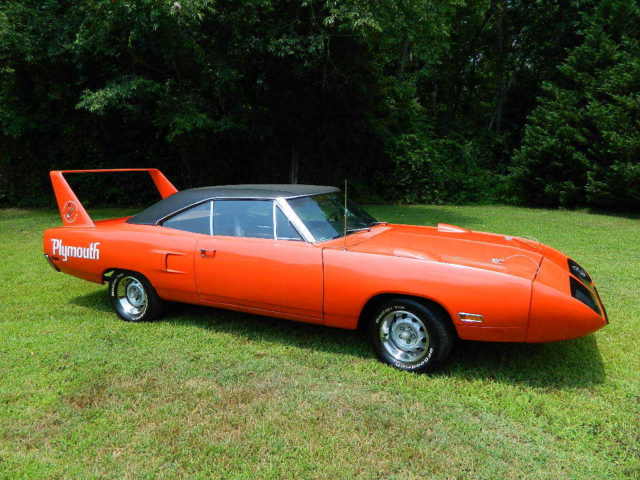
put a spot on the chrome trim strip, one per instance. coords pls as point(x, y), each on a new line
point(276, 208)
point(186, 207)
point(211, 217)
point(295, 220)
point(470, 317)
point(298, 225)
point(273, 219)
point(276, 199)
point(291, 197)
point(199, 202)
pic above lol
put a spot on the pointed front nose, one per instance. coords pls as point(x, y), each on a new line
point(558, 310)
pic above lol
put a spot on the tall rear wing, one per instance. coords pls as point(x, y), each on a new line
point(71, 210)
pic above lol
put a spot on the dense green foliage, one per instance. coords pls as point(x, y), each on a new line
point(587, 124)
point(413, 100)
point(208, 394)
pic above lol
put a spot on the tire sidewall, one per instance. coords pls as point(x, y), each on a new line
point(425, 316)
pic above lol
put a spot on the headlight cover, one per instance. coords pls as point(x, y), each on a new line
point(579, 272)
point(583, 294)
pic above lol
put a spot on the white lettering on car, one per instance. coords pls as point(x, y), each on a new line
point(92, 252)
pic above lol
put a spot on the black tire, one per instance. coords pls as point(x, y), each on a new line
point(411, 336)
point(133, 298)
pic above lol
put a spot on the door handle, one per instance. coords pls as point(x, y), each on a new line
point(207, 253)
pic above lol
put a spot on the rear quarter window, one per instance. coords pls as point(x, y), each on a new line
point(195, 219)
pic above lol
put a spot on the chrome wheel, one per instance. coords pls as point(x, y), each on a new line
point(131, 299)
point(404, 336)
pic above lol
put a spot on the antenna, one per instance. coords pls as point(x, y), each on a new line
point(344, 236)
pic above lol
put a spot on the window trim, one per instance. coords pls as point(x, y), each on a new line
point(276, 207)
point(295, 220)
point(211, 217)
point(286, 209)
point(273, 220)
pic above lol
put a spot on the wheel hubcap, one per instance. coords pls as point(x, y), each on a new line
point(135, 293)
point(404, 336)
point(131, 298)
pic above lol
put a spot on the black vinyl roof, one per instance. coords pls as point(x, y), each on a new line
point(184, 198)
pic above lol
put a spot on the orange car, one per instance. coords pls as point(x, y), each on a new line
point(296, 252)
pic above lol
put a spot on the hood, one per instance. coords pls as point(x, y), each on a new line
point(454, 245)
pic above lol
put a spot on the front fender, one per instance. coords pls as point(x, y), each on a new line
point(351, 279)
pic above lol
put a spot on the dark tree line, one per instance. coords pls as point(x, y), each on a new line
point(415, 100)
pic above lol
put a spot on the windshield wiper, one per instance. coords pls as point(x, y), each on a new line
point(368, 227)
point(352, 230)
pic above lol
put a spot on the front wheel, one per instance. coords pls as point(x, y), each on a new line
point(410, 336)
point(133, 298)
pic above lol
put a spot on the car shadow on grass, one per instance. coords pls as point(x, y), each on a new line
point(567, 364)
point(560, 365)
point(272, 330)
point(97, 300)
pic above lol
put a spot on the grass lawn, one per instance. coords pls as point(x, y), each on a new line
point(206, 393)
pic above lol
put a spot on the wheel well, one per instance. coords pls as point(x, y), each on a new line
point(373, 303)
point(109, 272)
point(106, 275)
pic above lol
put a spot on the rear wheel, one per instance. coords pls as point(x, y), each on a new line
point(133, 298)
point(410, 336)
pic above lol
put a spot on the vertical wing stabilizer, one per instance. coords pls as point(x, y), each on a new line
point(73, 213)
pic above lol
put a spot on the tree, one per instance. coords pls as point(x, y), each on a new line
point(412, 100)
point(582, 143)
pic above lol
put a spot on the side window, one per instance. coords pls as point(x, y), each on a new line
point(196, 219)
point(284, 229)
point(243, 218)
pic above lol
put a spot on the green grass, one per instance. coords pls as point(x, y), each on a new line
point(207, 393)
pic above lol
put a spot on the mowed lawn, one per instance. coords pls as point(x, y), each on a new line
point(206, 393)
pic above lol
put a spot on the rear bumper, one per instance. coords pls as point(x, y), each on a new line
point(50, 262)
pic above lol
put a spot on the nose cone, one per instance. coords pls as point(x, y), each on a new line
point(555, 314)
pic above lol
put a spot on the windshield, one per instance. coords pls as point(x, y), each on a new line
point(324, 215)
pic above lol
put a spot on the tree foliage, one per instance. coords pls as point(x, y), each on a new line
point(413, 100)
point(582, 143)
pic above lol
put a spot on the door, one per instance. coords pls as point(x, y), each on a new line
point(173, 249)
point(257, 260)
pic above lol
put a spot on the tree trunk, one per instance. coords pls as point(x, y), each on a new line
point(501, 88)
point(404, 56)
point(293, 169)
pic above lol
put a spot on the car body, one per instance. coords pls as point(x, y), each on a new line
point(216, 246)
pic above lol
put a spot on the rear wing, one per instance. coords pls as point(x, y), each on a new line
point(71, 210)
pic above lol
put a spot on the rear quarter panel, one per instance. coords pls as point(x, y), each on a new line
point(353, 278)
point(163, 256)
